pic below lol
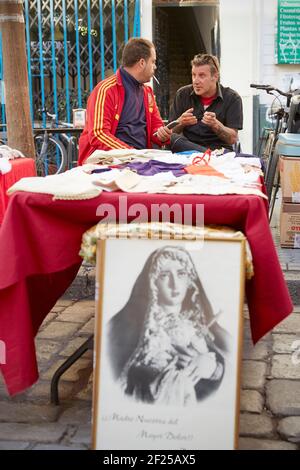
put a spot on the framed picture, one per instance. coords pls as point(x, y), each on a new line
point(168, 343)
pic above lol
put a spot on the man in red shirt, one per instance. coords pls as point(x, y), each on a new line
point(210, 114)
point(121, 110)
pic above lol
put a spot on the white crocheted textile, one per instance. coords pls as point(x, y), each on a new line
point(73, 184)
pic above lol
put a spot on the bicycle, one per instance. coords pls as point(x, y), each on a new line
point(3, 134)
point(286, 120)
point(56, 149)
point(51, 155)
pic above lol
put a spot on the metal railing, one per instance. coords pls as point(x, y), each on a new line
point(71, 45)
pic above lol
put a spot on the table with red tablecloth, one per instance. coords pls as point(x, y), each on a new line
point(21, 168)
point(39, 244)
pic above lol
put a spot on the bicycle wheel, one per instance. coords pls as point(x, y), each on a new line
point(51, 156)
point(70, 144)
point(266, 152)
point(271, 172)
point(73, 152)
point(261, 143)
point(274, 194)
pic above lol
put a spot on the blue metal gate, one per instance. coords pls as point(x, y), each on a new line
point(71, 45)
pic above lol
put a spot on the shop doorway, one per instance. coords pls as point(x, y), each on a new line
point(180, 32)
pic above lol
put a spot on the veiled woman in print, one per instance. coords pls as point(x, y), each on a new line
point(165, 345)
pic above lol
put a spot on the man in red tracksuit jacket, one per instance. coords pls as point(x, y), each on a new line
point(121, 110)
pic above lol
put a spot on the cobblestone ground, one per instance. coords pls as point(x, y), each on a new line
point(29, 421)
point(270, 398)
point(270, 392)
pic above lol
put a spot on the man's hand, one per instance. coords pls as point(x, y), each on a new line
point(228, 135)
point(163, 133)
point(187, 118)
point(210, 120)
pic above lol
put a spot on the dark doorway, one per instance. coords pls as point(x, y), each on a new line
point(178, 34)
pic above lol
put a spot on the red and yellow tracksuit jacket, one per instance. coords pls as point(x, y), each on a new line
point(104, 109)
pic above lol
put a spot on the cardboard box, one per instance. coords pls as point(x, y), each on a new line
point(290, 226)
point(289, 168)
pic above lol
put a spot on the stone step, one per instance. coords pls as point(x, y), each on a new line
point(84, 284)
point(293, 282)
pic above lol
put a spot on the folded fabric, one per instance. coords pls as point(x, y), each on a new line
point(185, 159)
point(116, 179)
point(100, 170)
point(119, 155)
point(5, 166)
point(152, 167)
point(8, 152)
point(206, 170)
point(201, 184)
point(73, 184)
point(248, 159)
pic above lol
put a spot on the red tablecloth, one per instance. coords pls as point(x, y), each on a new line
point(39, 244)
point(21, 167)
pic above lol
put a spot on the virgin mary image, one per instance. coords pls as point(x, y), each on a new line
point(165, 345)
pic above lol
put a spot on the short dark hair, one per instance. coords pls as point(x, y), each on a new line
point(136, 49)
point(206, 59)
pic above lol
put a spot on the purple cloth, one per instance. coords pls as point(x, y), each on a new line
point(152, 167)
point(101, 170)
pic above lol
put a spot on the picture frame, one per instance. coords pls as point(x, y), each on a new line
point(165, 377)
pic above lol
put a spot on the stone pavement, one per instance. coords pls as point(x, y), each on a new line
point(29, 421)
point(270, 395)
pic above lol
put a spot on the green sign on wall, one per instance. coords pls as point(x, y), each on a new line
point(288, 32)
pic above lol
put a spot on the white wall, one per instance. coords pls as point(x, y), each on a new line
point(206, 17)
point(240, 52)
point(146, 22)
point(146, 19)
